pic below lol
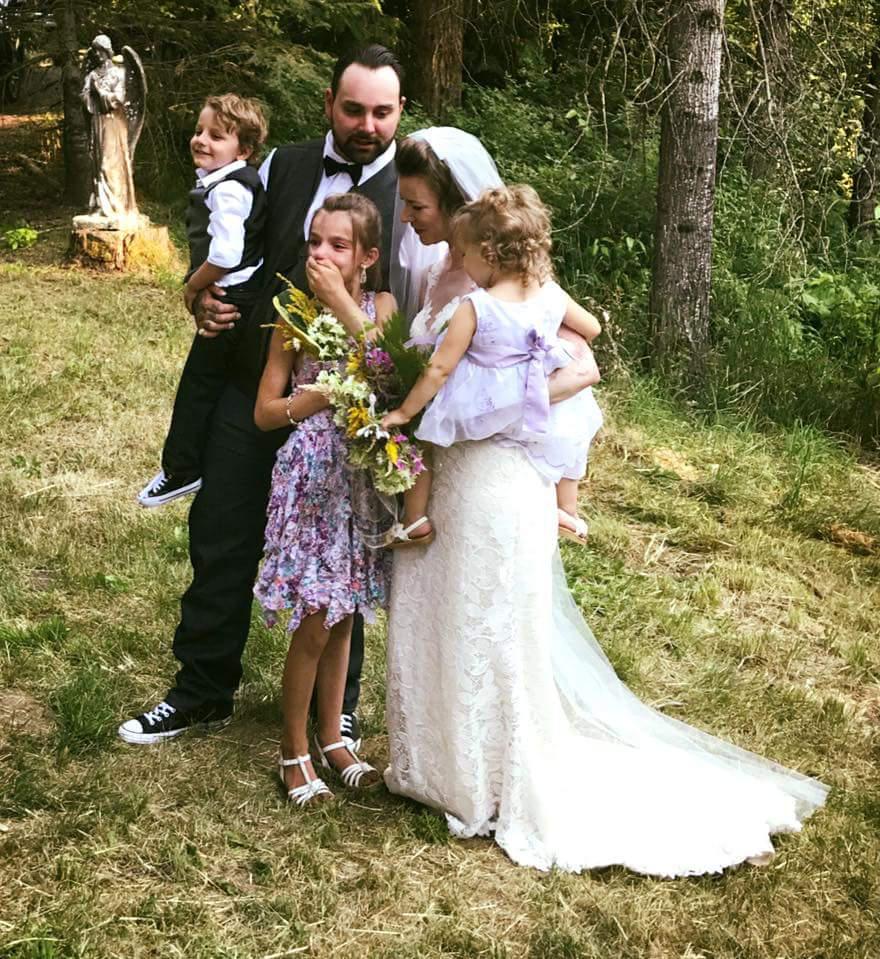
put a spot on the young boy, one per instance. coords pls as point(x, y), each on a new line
point(224, 225)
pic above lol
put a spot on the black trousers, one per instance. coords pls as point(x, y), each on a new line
point(202, 382)
point(227, 521)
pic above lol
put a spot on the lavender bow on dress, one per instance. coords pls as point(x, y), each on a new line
point(543, 358)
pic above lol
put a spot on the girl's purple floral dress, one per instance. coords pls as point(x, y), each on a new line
point(314, 557)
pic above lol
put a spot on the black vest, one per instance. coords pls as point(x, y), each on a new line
point(198, 216)
point(294, 176)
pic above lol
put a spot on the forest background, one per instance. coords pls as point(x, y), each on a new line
point(635, 121)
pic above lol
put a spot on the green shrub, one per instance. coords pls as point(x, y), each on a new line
point(20, 238)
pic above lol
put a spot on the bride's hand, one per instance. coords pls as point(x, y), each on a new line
point(326, 283)
point(569, 380)
point(394, 418)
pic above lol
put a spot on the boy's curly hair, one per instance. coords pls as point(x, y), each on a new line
point(244, 117)
point(511, 226)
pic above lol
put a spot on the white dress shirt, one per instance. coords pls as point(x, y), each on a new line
point(229, 205)
point(339, 182)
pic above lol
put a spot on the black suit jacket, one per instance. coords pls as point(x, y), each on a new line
point(294, 176)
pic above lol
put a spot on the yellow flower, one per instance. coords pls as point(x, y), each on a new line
point(353, 364)
point(357, 417)
point(391, 451)
point(301, 304)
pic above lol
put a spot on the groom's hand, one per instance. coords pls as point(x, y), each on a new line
point(212, 315)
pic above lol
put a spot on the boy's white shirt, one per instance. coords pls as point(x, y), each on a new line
point(339, 182)
point(229, 205)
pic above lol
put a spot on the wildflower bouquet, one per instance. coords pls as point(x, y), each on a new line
point(306, 324)
point(392, 460)
point(378, 375)
point(408, 362)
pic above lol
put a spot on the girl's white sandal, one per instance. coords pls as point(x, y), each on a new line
point(312, 790)
point(580, 532)
point(398, 536)
point(357, 775)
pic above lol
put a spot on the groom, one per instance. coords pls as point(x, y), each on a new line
point(228, 516)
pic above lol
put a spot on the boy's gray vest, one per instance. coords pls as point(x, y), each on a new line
point(198, 215)
point(294, 176)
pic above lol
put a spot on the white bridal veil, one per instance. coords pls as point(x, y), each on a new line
point(473, 171)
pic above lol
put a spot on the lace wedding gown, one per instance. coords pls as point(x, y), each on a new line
point(504, 713)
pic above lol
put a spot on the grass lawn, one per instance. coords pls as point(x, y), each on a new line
point(732, 575)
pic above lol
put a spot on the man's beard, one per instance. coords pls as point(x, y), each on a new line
point(360, 148)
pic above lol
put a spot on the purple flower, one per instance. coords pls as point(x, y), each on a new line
point(376, 359)
point(400, 438)
point(417, 465)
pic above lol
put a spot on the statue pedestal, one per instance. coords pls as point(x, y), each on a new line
point(102, 244)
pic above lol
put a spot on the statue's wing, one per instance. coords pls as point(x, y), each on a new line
point(135, 96)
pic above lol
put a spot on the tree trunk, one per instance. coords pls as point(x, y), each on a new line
point(77, 163)
point(768, 130)
point(864, 188)
point(439, 41)
point(686, 188)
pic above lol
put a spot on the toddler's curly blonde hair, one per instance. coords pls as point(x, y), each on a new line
point(511, 226)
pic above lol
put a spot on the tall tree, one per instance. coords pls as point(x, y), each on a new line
point(864, 186)
point(686, 186)
point(438, 34)
point(12, 51)
point(77, 164)
point(770, 114)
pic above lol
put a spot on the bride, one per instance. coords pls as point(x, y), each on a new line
point(502, 711)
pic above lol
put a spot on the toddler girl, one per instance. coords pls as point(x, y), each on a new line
point(315, 563)
point(488, 374)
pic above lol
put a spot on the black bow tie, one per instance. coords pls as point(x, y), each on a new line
point(354, 170)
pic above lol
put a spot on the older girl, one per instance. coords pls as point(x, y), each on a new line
point(316, 565)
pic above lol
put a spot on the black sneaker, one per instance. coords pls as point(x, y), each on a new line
point(163, 488)
point(351, 730)
point(165, 722)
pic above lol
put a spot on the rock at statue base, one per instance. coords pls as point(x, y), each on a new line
point(113, 244)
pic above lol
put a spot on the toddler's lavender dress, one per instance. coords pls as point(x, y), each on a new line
point(499, 388)
point(315, 557)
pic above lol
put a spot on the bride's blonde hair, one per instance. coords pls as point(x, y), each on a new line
point(511, 226)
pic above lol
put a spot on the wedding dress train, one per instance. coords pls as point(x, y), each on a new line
point(504, 713)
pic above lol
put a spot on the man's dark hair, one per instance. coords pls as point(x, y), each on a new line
point(373, 57)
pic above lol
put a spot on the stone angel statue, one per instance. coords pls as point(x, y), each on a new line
point(114, 95)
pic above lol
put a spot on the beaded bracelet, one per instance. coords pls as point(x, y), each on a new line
point(290, 419)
